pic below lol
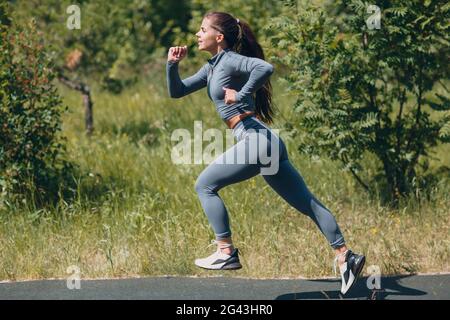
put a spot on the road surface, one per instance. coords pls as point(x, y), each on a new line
point(227, 288)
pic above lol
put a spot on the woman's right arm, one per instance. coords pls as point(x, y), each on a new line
point(179, 88)
point(258, 72)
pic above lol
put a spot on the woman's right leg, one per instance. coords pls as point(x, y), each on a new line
point(289, 184)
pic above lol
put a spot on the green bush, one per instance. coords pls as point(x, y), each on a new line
point(366, 90)
point(31, 151)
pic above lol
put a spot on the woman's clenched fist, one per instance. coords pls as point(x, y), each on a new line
point(176, 54)
point(230, 95)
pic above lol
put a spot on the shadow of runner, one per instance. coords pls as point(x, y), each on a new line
point(390, 286)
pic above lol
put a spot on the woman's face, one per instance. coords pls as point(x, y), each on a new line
point(208, 38)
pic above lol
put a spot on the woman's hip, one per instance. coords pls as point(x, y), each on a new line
point(259, 140)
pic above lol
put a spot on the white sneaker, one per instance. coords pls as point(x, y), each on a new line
point(350, 269)
point(220, 261)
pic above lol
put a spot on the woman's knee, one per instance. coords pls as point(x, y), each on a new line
point(203, 184)
point(199, 185)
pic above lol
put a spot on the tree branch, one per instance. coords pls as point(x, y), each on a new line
point(399, 121)
point(365, 186)
point(416, 123)
point(87, 100)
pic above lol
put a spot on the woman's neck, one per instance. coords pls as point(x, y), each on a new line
point(218, 50)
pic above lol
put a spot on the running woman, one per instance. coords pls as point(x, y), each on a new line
point(237, 81)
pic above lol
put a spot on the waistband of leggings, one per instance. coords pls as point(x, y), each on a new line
point(255, 119)
point(239, 127)
point(246, 119)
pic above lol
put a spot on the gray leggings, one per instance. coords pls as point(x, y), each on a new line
point(255, 152)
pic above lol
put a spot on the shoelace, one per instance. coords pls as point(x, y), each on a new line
point(337, 259)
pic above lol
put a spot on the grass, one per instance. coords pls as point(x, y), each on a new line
point(137, 214)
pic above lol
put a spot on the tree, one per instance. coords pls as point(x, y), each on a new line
point(364, 89)
point(116, 38)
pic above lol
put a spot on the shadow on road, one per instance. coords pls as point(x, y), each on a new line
point(390, 286)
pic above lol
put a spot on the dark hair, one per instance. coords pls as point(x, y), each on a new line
point(241, 39)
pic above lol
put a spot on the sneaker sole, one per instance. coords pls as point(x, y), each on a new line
point(231, 266)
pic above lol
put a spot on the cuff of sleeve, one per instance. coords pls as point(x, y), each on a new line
point(169, 62)
point(239, 96)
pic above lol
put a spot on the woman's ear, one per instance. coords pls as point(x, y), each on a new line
point(219, 38)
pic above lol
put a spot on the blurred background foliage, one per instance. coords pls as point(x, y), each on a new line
point(357, 91)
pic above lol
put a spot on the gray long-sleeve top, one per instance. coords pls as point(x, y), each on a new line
point(227, 69)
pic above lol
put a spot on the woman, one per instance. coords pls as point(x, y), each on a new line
point(237, 81)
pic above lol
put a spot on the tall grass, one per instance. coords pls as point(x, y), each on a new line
point(136, 213)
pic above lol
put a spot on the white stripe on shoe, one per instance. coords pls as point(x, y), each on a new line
point(351, 278)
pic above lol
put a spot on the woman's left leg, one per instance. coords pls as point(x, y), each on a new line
point(225, 170)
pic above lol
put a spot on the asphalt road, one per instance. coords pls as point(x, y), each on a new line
point(227, 288)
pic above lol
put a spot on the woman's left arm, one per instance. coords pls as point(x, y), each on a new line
point(259, 70)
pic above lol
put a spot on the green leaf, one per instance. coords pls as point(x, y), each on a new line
point(444, 105)
point(444, 131)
